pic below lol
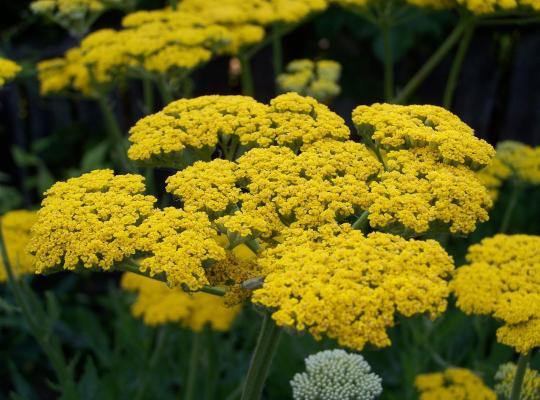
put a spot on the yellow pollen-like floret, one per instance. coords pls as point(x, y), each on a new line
point(8, 70)
point(453, 384)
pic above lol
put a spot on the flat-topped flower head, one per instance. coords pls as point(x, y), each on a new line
point(502, 279)
point(523, 161)
point(191, 129)
point(318, 79)
point(453, 384)
point(416, 193)
point(8, 70)
point(350, 287)
point(396, 127)
point(90, 221)
point(159, 304)
point(530, 388)
point(16, 226)
point(494, 175)
point(336, 375)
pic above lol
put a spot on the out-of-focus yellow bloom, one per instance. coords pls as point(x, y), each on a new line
point(530, 388)
point(494, 175)
point(523, 160)
point(453, 384)
point(191, 129)
point(502, 279)
point(16, 227)
point(159, 304)
point(8, 70)
point(318, 79)
point(349, 287)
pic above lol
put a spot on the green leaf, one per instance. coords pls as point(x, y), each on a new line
point(95, 157)
point(23, 388)
point(23, 158)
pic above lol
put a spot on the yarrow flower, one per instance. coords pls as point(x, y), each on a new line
point(318, 79)
point(336, 375)
point(453, 384)
point(8, 70)
point(348, 286)
point(501, 280)
point(522, 160)
point(493, 176)
point(159, 304)
point(191, 129)
point(530, 388)
point(16, 227)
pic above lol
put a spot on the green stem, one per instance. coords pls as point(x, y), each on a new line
point(388, 62)
point(361, 222)
point(511, 21)
point(115, 133)
point(520, 376)
point(148, 95)
point(277, 51)
point(261, 359)
point(510, 207)
point(164, 90)
point(455, 71)
point(156, 354)
point(247, 76)
point(38, 327)
point(212, 368)
point(191, 380)
point(432, 62)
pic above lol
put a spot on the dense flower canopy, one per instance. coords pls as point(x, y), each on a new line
point(349, 287)
point(505, 375)
point(502, 279)
point(158, 304)
point(318, 79)
point(8, 70)
point(453, 384)
point(16, 226)
point(336, 375)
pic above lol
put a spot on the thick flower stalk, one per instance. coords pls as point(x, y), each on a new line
point(336, 375)
point(318, 79)
point(501, 280)
point(8, 70)
point(16, 226)
point(350, 287)
point(453, 383)
point(191, 129)
point(158, 304)
point(505, 377)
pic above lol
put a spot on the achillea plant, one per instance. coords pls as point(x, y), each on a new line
point(505, 377)
point(8, 70)
point(336, 375)
point(453, 383)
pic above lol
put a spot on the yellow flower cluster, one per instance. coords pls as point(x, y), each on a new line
point(523, 160)
point(502, 279)
point(453, 384)
point(191, 129)
point(530, 389)
point(349, 287)
point(318, 79)
point(158, 304)
point(160, 46)
point(98, 220)
point(90, 221)
point(259, 12)
point(71, 9)
point(8, 70)
point(429, 158)
point(16, 227)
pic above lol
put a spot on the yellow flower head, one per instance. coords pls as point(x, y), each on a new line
point(395, 127)
point(158, 304)
point(349, 287)
point(90, 221)
point(523, 160)
point(317, 79)
point(418, 193)
point(191, 129)
point(8, 70)
point(502, 279)
point(16, 227)
point(494, 175)
point(491, 6)
point(530, 389)
point(453, 384)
